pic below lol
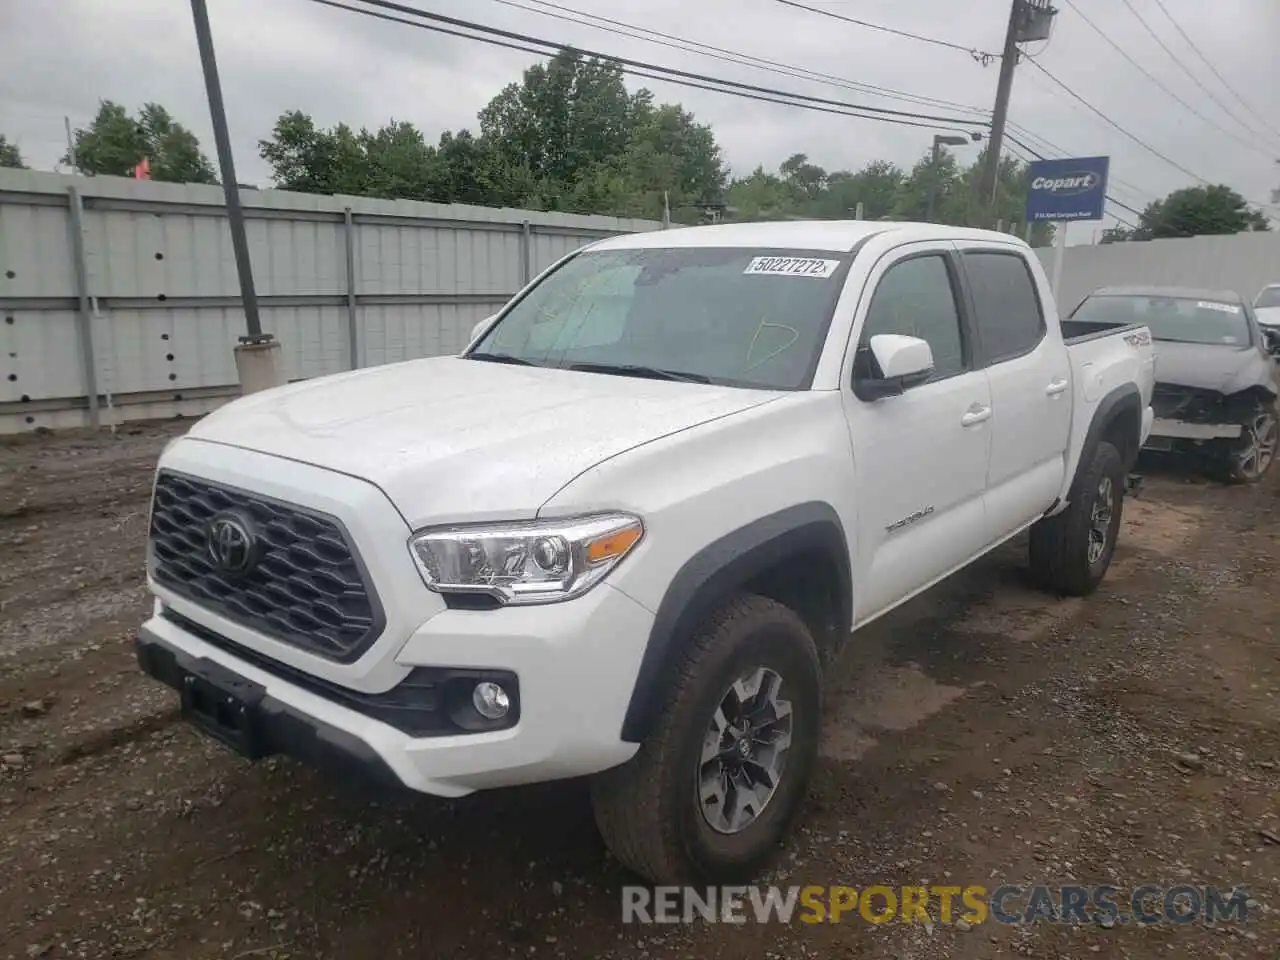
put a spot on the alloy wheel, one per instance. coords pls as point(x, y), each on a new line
point(1100, 519)
point(744, 751)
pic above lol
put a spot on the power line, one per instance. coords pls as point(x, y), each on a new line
point(1208, 63)
point(1063, 152)
point(1142, 143)
point(979, 55)
point(652, 71)
point(618, 27)
point(672, 71)
point(1174, 57)
point(529, 44)
point(568, 14)
point(1146, 73)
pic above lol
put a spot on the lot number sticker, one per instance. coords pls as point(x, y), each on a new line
point(1220, 307)
point(792, 267)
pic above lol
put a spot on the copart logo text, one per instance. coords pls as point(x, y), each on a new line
point(1072, 183)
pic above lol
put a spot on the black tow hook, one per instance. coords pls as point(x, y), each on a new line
point(1132, 484)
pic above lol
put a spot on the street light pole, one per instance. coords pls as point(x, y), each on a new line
point(258, 359)
point(939, 139)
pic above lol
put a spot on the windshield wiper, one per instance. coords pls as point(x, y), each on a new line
point(501, 358)
point(639, 370)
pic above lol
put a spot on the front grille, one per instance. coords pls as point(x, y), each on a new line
point(1193, 404)
point(306, 587)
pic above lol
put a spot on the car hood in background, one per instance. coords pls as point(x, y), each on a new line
point(1226, 369)
point(1268, 316)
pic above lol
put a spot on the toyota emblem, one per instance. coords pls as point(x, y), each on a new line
point(230, 544)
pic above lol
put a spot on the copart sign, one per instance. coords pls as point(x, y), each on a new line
point(1070, 189)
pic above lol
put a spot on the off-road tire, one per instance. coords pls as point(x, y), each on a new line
point(1059, 549)
point(648, 809)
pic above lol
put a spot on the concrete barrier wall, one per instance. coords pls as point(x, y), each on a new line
point(1244, 262)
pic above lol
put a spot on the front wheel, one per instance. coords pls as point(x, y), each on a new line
point(716, 784)
point(1253, 455)
point(1071, 551)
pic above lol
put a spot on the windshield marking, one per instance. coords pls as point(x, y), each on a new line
point(1221, 307)
point(791, 267)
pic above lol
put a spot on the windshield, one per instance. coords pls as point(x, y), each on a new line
point(1173, 318)
point(1270, 297)
point(736, 316)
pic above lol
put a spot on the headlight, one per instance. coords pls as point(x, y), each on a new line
point(540, 561)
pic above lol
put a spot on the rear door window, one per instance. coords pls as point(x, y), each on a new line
point(1006, 307)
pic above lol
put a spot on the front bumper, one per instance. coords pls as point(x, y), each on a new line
point(1185, 430)
point(273, 726)
point(575, 665)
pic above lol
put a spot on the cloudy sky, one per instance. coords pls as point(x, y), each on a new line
point(61, 56)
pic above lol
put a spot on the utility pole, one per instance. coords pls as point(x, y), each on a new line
point(258, 355)
point(1028, 20)
point(71, 146)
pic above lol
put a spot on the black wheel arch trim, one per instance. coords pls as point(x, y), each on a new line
point(715, 573)
point(1119, 401)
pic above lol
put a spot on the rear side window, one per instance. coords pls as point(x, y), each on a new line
point(1006, 307)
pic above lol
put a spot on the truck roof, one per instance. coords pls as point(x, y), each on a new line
point(834, 235)
point(1175, 293)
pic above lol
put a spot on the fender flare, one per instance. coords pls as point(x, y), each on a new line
point(709, 578)
point(1119, 401)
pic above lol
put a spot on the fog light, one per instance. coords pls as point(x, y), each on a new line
point(490, 700)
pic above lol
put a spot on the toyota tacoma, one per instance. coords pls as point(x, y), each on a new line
point(622, 535)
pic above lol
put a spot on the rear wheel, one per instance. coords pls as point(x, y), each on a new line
point(1071, 551)
point(716, 784)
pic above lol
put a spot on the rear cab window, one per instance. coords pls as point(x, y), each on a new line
point(735, 316)
point(1007, 312)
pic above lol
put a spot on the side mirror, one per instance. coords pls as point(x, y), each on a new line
point(893, 363)
point(480, 326)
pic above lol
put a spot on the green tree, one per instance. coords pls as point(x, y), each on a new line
point(760, 196)
point(308, 159)
point(944, 179)
point(10, 155)
point(114, 143)
point(1194, 211)
point(398, 163)
point(875, 186)
point(563, 118)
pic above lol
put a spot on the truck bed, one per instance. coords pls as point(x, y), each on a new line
point(1078, 331)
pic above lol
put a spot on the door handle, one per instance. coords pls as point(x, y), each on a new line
point(1056, 387)
point(974, 415)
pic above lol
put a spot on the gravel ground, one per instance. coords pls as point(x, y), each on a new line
point(982, 734)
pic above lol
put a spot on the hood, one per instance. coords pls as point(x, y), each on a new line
point(1268, 316)
point(1226, 369)
point(449, 439)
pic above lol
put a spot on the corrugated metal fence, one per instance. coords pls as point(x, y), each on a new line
point(128, 289)
point(1243, 262)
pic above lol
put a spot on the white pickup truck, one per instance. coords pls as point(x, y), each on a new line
point(622, 534)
